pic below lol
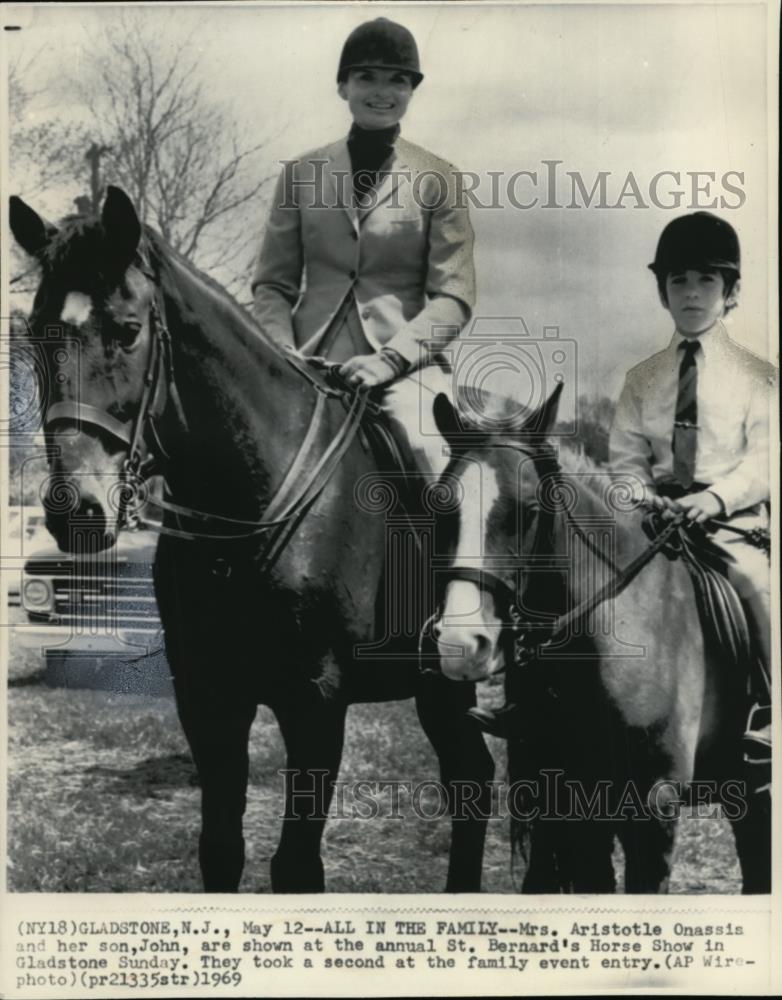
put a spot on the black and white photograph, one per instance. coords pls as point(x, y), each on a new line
point(390, 442)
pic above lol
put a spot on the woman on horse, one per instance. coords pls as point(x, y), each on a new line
point(367, 254)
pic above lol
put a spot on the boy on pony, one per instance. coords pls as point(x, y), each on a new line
point(692, 422)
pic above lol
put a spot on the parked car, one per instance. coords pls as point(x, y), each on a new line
point(24, 524)
point(94, 616)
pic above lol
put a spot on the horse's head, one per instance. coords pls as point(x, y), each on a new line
point(497, 474)
point(92, 322)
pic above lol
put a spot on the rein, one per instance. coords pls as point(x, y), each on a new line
point(529, 642)
point(291, 500)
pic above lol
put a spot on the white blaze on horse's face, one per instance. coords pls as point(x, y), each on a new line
point(469, 629)
point(76, 309)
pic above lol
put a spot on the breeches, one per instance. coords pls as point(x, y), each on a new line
point(408, 402)
point(409, 405)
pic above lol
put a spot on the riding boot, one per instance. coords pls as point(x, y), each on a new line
point(757, 738)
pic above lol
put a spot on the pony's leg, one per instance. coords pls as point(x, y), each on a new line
point(648, 848)
point(313, 730)
point(466, 771)
point(752, 833)
point(218, 738)
point(542, 874)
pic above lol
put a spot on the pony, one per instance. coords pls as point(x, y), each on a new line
point(270, 566)
point(624, 711)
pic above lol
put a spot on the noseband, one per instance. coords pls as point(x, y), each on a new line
point(528, 643)
point(507, 600)
point(299, 490)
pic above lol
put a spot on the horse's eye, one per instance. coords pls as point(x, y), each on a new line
point(127, 333)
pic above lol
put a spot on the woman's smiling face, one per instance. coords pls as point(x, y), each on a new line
point(377, 97)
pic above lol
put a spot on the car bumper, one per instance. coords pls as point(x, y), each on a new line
point(130, 642)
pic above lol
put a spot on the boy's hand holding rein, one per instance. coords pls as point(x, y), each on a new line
point(698, 507)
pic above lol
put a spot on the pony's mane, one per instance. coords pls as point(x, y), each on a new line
point(78, 249)
point(77, 255)
point(575, 460)
point(162, 252)
point(580, 464)
point(163, 256)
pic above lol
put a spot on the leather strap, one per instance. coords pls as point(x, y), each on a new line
point(83, 413)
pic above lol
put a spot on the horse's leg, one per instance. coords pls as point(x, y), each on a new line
point(752, 833)
point(648, 845)
point(542, 875)
point(218, 735)
point(313, 730)
point(466, 771)
point(570, 855)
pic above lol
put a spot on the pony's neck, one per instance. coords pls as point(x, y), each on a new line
point(245, 408)
point(600, 511)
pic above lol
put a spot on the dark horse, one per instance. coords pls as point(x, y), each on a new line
point(623, 709)
point(167, 366)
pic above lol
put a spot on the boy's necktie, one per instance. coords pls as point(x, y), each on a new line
point(685, 430)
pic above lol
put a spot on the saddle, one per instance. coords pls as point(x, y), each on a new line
point(375, 432)
point(720, 610)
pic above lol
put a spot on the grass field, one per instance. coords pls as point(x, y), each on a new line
point(103, 797)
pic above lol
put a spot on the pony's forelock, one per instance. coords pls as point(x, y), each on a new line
point(76, 253)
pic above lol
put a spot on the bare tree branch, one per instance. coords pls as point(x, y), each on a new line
point(176, 152)
point(179, 155)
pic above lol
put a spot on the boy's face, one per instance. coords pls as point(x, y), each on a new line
point(377, 98)
point(696, 300)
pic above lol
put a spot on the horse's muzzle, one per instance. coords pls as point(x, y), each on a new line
point(468, 653)
point(77, 520)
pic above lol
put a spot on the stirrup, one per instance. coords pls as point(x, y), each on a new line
point(757, 737)
point(504, 723)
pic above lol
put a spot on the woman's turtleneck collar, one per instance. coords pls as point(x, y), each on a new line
point(369, 149)
point(372, 138)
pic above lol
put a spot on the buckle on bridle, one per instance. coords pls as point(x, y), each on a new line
point(129, 492)
point(423, 635)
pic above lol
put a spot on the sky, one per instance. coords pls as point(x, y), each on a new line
point(626, 90)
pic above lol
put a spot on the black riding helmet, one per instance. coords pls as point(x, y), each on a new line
point(380, 43)
point(698, 241)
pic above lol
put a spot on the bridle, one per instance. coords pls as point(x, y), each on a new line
point(305, 480)
point(506, 598)
point(158, 387)
point(528, 643)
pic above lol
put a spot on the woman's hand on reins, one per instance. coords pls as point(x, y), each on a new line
point(366, 371)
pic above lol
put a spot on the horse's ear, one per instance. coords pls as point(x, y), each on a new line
point(122, 227)
point(542, 421)
point(31, 232)
point(445, 417)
